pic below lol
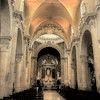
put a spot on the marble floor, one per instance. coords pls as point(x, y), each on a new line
point(52, 95)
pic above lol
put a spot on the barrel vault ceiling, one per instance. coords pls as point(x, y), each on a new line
point(63, 13)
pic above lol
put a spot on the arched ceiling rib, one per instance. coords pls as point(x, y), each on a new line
point(63, 12)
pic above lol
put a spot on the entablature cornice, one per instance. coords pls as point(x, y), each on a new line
point(5, 39)
point(5, 43)
point(88, 20)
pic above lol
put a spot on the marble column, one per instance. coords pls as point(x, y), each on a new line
point(4, 63)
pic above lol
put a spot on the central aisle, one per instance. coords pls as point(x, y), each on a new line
point(51, 95)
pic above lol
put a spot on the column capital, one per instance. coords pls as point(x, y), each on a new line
point(27, 39)
point(68, 51)
point(77, 40)
point(5, 39)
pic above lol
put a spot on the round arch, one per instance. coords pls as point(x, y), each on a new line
point(49, 28)
point(48, 45)
point(87, 57)
point(48, 55)
point(36, 52)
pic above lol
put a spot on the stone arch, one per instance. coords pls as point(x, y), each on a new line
point(55, 31)
point(36, 52)
point(74, 67)
point(87, 60)
point(5, 18)
point(49, 45)
point(49, 56)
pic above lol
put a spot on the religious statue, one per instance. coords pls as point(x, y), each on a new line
point(48, 72)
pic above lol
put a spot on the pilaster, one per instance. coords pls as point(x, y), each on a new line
point(19, 59)
point(84, 68)
point(4, 60)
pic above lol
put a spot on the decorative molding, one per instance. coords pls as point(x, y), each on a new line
point(31, 49)
point(19, 19)
point(68, 51)
point(97, 5)
point(19, 55)
point(18, 14)
point(97, 2)
point(85, 21)
point(4, 47)
point(41, 46)
point(91, 16)
point(4, 42)
point(49, 42)
point(49, 29)
point(27, 39)
point(5, 37)
point(18, 58)
point(75, 41)
point(12, 3)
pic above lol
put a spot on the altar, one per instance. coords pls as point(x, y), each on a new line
point(48, 72)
